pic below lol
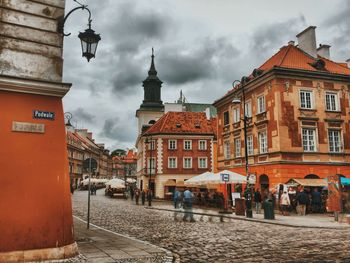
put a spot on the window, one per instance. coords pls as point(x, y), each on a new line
point(236, 115)
point(332, 101)
point(261, 104)
point(227, 149)
point(187, 145)
point(188, 162)
point(238, 147)
point(202, 162)
point(151, 165)
point(306, 99)
point(202, 145)
point(226, 118)
point(309, 140)
point(250, 146)
point(334, 141)
point(172, 145)
point(172, 162)
point(262, 142)
point(248, 109)
point(151, 145)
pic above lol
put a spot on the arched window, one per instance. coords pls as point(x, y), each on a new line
point(311, 176)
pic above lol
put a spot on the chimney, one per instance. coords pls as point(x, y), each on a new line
point(292, 42)
point(207, 113)
point(348, 62)
point(323, 51)
point(307, 41)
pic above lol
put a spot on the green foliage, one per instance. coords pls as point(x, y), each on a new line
point(118, 152)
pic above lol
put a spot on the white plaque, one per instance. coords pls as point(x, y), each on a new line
point(28, 127)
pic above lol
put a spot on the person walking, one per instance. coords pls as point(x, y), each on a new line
point(285, 203)
point(177, 198)
point(316, 201)
point(137, 195)
point(132, 193)
point(188, 200)
point(257, 200)
point(302, 200)
point(143, 197)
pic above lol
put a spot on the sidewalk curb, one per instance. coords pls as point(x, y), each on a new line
point(169, 255)
point(263, 221)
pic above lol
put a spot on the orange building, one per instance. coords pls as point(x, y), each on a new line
point(177, 147)
point(35, 210)
point(298, 121)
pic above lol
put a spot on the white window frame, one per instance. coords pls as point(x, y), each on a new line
point(237, 147)
point(152, 145)
point(250, 145)
point(236, 114)
point(263, 145)
point(184, 162)
point(309, 145)
point(205, 162)
point(185, 145)
point(151, 165)
point(200, 143)
point(227, 149)
point(170, 144)
point(332, 105)
point(261, 103)
point(248, 109)
point(226, 113)
point(304, 103)
point(169, 162)
point(333, 146)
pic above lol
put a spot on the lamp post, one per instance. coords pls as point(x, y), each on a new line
point(89, 40)
point(247, 194)
point(149, 141)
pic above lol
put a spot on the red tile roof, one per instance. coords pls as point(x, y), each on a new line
point(292, 57)
point(182, 123)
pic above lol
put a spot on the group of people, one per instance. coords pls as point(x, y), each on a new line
point(137, 193)
point(300, 202)
point(184, 200)
point(207, 198)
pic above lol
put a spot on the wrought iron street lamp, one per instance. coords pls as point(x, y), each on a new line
point(236, 100)
point(89, 40)
point(149, 142)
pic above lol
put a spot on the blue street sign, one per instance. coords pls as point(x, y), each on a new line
point(225, 177)
point(48, 115)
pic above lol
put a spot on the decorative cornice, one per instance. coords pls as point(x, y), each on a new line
point(31, 86)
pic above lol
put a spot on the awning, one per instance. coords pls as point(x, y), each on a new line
point(308, 182)
point(180, 184)
point(170, 182)
point(211, 178)
point(345, 181)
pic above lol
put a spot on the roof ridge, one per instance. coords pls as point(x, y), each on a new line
point(166, 118)
point(285, 54)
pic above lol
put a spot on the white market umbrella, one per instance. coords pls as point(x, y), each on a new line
point(211, 178)
point(201, 179)
point(116, 183)
point(234, 177)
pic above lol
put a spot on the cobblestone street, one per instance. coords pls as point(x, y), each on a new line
point(214, 241)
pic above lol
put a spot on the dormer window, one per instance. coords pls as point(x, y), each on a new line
point(197, 125)
point(319, 64)
point(178, 125)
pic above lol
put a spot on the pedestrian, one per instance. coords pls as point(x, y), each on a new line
point(302, 200)
point(188, 200)
point(316, 201)
point(137, 195)
point(143, 197)
point(285, 203)
point(93, 189)
point(257, 200)
point(149, 197)
point(177, 198)
point(132, 193)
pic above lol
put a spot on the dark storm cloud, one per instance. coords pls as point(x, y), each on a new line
point(268, 38)
point(339, 25)
point(119, 129)
point(81, 115)
point(181, 65)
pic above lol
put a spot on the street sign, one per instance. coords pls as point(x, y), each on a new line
point(90, 163)
point(225, 177)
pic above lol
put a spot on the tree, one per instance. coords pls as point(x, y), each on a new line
point(118, 152)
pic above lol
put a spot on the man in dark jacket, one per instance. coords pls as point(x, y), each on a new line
point(257, 200)
point(316, 201)
point(302, 199)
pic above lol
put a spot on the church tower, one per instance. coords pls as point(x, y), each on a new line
point(152, 107)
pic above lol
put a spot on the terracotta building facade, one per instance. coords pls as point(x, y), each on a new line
point(177, 147)
point(297, 108)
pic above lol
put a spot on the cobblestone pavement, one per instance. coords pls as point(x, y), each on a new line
point(214, 241)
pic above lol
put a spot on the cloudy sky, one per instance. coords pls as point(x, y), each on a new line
point(201, 46)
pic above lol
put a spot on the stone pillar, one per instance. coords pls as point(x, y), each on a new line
point(35, 210)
